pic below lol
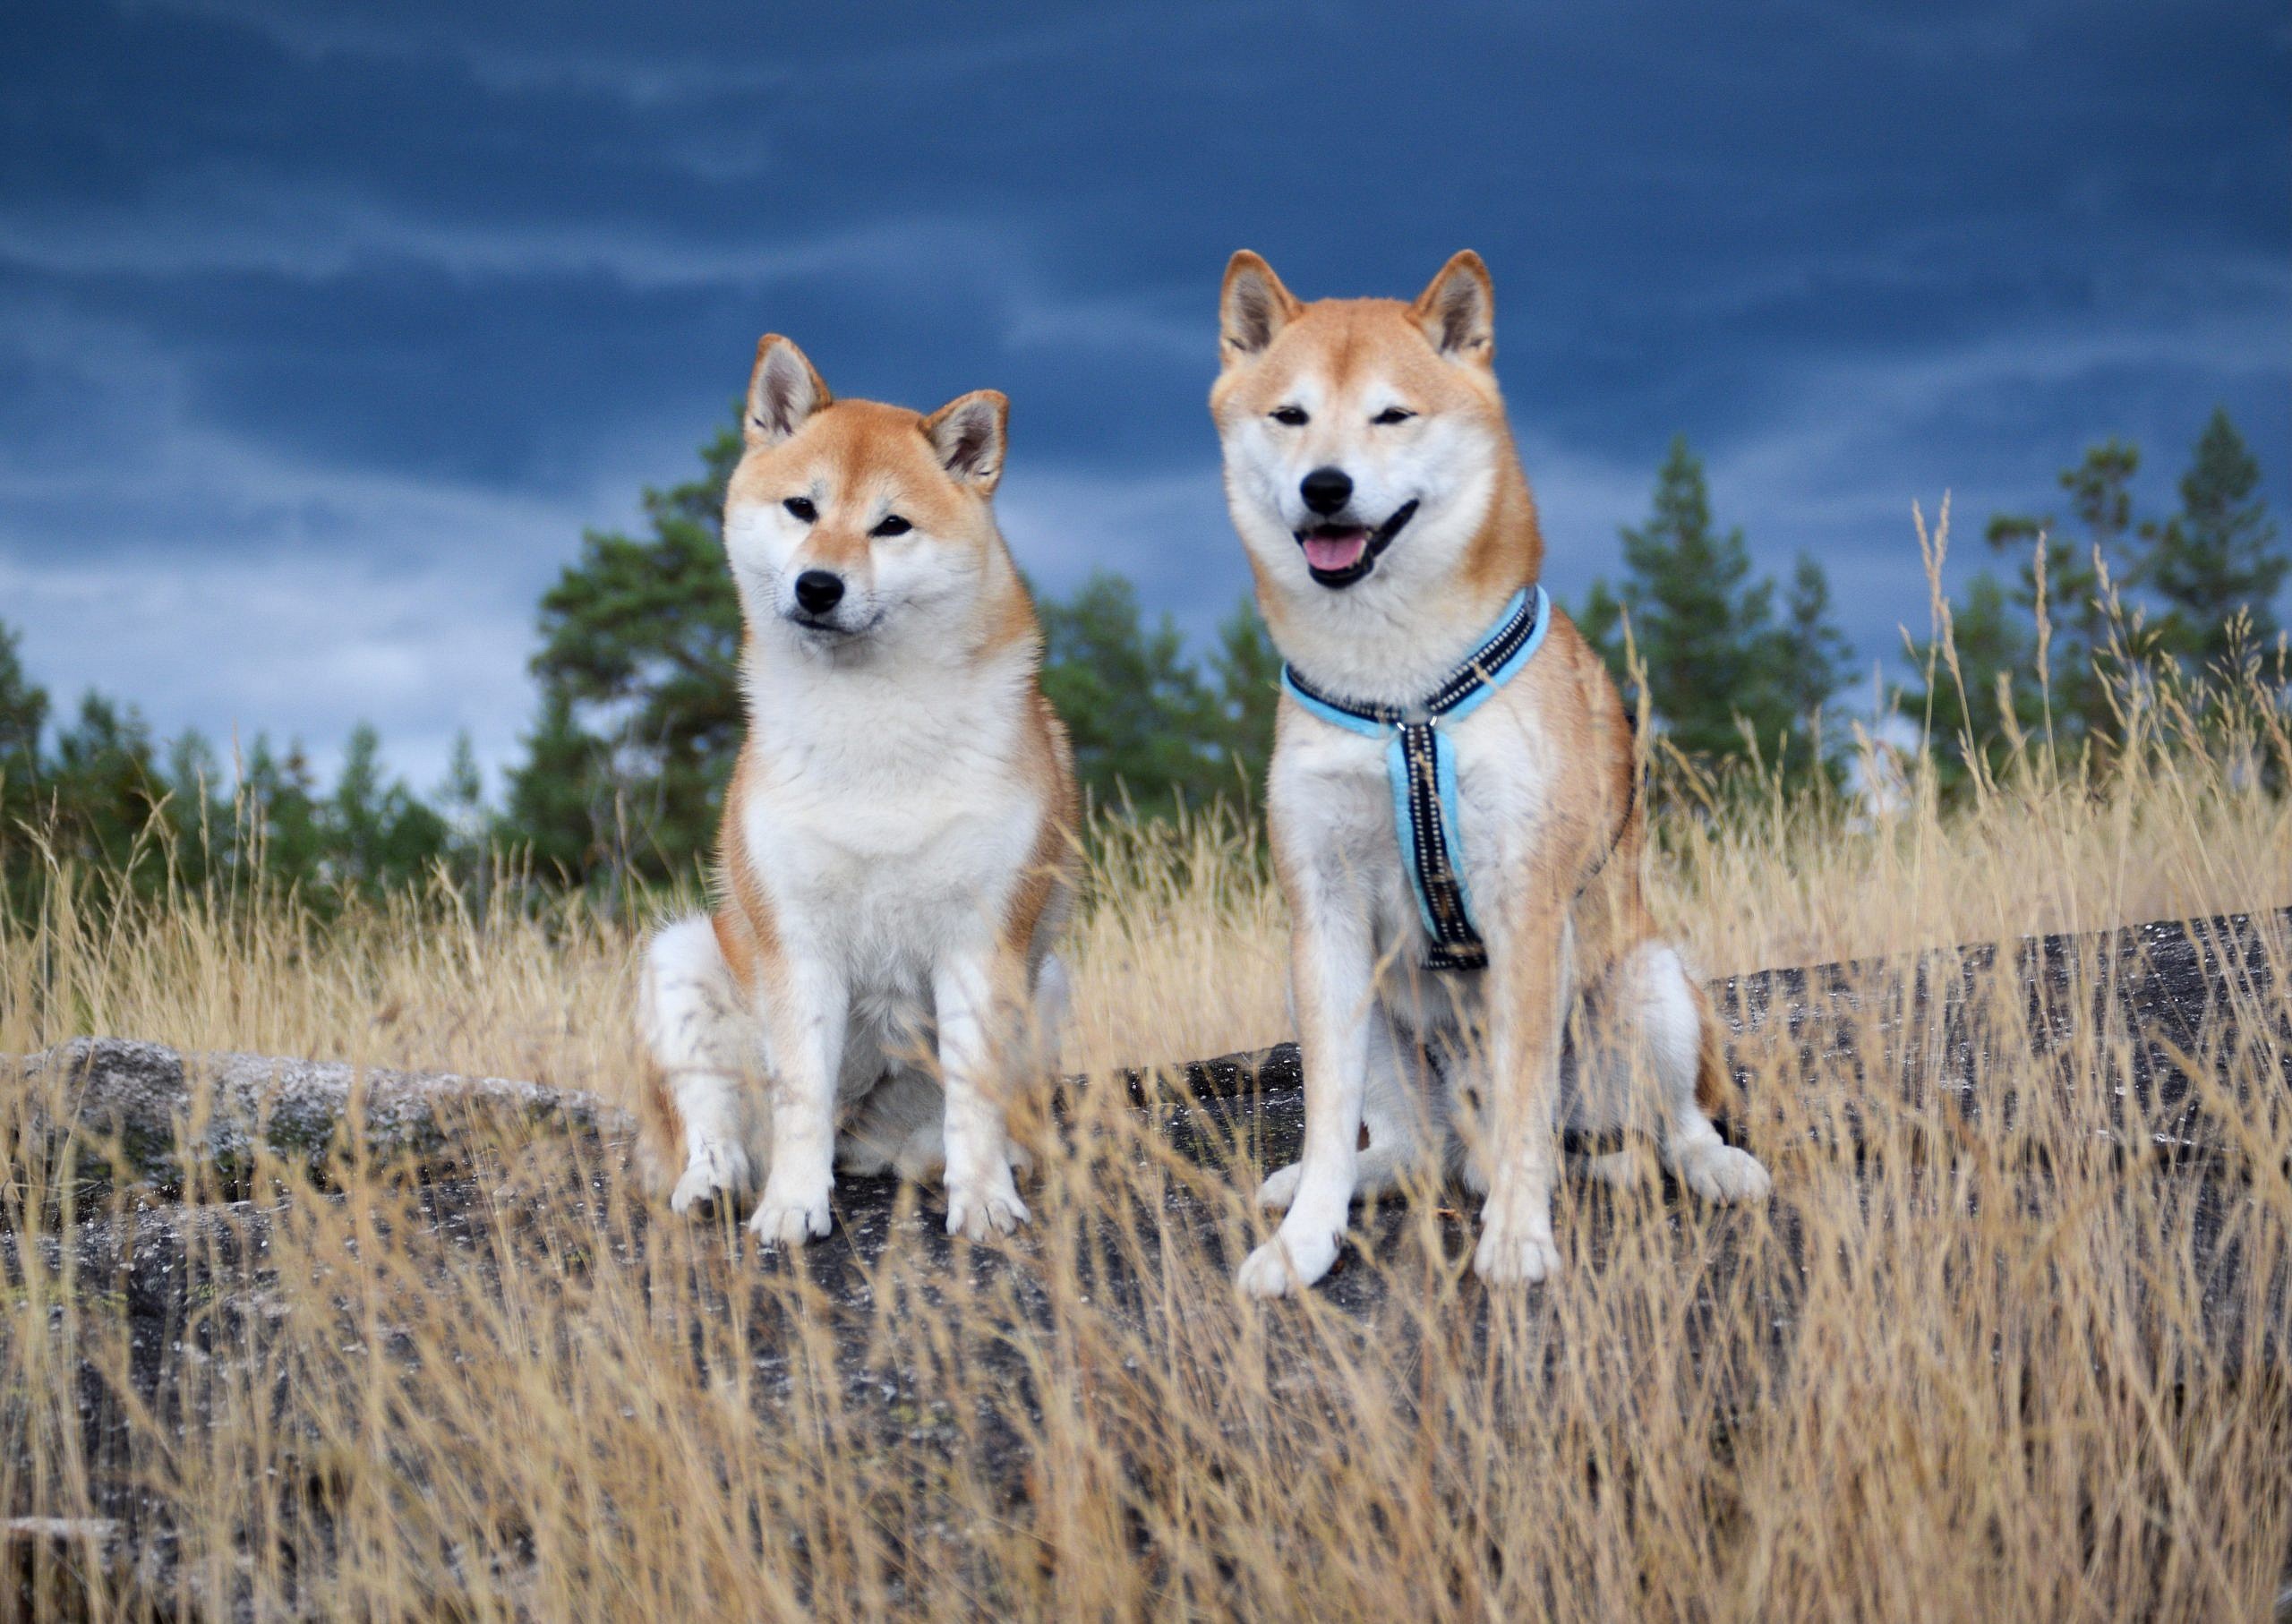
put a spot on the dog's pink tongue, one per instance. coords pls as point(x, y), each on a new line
point(1340, 551)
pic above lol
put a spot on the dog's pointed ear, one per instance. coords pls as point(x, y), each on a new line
point(783, 391)
point(968, 433)
point(1253, 307)
point(1457, 309)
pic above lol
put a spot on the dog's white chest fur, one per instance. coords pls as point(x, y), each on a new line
point(887, 827)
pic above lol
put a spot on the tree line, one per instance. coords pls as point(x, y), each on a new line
point(639, 709)
point(2095, 594)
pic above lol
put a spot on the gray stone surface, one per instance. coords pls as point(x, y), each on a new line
point(136, 1111)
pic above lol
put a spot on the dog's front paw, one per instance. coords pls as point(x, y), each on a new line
point(989, 1206)
point(1293, 1259)
point(1721, 1173)
point(717, 1169)
point(788, 1217)
point(1515, 1248)
point(1281, 1188)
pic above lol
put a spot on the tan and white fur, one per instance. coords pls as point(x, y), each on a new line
point(898, 839)
point(1335, 416)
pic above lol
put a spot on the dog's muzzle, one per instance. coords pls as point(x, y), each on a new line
point(1338, 554)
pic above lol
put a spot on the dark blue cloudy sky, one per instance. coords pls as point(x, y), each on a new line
point(324, 330)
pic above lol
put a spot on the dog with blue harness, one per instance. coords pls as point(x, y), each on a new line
point(1453, 798)
point(1425, 824)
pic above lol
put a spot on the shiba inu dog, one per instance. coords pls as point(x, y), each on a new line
point(1452, 797)
point(898, 839)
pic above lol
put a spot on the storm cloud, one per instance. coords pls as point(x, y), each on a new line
point(325, 330)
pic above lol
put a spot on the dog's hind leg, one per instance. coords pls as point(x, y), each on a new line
point(702, 1045)
point(1397, 1136)
point(1676, 1022)
point(1053, 1013)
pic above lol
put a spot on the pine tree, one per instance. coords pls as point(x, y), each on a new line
point(1717, 661)
point(1248, 669)
point(460, 800)
point(1600, 617)
point(378, 835)
point(560, 810)
point(2102, 503)
point(23, 715)
point(198, 812)
point(2220, 554)
point(1138, 712)
point(355, 816)
point(1992, 643)
point(104, 784)
point(1810, 654)
point(279, 806)
point(639, 675)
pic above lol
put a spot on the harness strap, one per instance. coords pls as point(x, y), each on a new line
point(1424, 773)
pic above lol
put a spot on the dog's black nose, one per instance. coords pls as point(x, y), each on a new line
point(818, 591)
point(1326, 490)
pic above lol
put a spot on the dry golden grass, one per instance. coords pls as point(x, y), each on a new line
point(1978, 1369)
point(1182, 950)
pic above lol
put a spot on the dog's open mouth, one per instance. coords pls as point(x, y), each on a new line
point(1339, 555)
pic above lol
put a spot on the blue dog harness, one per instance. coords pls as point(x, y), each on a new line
point(1423, 774)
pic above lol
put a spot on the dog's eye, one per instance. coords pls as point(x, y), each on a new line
point(891, 525)
point(1392, 414)
point(1289, 414)
point(801, 506)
